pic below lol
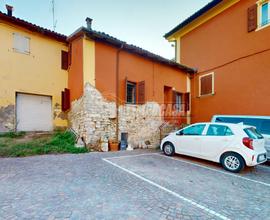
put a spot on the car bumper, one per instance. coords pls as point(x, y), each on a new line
point(257, 159)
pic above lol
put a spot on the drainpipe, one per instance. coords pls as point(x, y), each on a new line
point(117, 89)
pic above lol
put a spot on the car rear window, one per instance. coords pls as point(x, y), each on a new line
point(253, 133)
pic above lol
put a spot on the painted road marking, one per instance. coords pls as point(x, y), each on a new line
point(215, 170)
point(127, 156)
point(191, 202)
point(198, 165)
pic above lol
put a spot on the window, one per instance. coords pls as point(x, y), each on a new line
point(206, 84)
point(236, 120)
point(264, 14)
point(193, 130)
point(253, 133)
point(131, 93)
point(265, 127)
point(219, 130)
point(21, 44)
point(178, 102)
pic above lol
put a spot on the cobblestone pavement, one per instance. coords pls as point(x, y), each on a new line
point(87, 187)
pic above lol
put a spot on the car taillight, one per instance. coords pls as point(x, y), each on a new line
point(248, 142)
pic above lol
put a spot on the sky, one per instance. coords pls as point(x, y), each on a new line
point(139, 22)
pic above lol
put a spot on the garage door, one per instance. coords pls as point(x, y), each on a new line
point(34, 112)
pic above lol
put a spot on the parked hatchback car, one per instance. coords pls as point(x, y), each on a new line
point(233, 145)
point(262, 124)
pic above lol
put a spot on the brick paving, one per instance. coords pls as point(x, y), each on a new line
point(86, 187)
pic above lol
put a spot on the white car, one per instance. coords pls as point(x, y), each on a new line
point(233, 145)
point(262, 124)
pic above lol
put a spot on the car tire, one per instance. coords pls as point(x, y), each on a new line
point(232, 162)
point(168, 149)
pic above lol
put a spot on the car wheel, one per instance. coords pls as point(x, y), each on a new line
point(232, 162)
point(168, 149)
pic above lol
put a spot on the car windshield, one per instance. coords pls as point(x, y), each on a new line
point(253, 133)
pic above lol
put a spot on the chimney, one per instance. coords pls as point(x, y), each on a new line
point(9, 10)
point(89, 23)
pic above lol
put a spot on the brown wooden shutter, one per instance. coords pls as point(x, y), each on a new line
point(141, 92)
point(206, 85)
point(174, 100)
point(63, 101)
point(66, 100)
point(252, 18)
point(64, 60)
point(67, 97)
point(187, 101)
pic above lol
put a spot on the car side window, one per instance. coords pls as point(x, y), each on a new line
point(193, 130)
point(219, 130)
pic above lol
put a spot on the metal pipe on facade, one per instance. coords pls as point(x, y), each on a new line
point(117, 90)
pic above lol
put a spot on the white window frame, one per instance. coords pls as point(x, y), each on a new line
point(213, 84)
point(18, 50)
point(260, 3)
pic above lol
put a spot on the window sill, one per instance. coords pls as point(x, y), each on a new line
point(21, 52)
point(262, 27)
point(204, 96)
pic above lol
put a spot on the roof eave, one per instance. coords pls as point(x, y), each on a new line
point(32, 27)
point(105, 38)
point(193, 17)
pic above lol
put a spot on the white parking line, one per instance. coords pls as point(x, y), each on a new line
point(198, 165)
point(215, 170)
point(135, 155)
point(168, 191)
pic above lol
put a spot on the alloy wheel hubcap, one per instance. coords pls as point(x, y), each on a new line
point(232, 162)
point(168, 149)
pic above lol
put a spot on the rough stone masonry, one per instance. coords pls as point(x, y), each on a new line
point(94, 118)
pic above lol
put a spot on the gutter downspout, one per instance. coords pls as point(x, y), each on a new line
point(117, 90)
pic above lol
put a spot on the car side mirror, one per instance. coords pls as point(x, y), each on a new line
point(180, 133)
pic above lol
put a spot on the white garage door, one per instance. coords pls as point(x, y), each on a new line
point(34, 113)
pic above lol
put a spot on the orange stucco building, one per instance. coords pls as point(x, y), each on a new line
point(111, 66)
point(228, 43)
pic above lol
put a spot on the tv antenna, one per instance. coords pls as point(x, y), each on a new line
point(53, 14)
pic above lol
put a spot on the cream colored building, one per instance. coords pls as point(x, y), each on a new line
point(31, 76)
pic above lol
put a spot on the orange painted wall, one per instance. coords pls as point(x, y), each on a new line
point(136, 69)
point(241, 87)
point(75, 73)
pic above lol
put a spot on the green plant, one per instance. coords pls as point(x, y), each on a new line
point(58, 143)
point(12, 134)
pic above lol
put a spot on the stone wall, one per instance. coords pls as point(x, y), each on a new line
point(93, 118)
point(7, 118)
